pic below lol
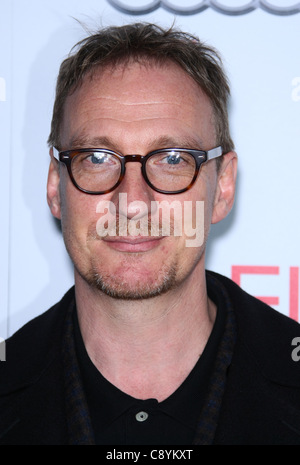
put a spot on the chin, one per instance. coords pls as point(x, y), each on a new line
point(130, 287)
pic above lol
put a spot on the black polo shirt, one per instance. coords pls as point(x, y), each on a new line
point(119, 419)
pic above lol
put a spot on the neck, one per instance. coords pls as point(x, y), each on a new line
point(146, 347)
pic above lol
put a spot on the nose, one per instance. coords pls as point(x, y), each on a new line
point(133, 196)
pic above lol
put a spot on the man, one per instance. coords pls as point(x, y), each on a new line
point(148, 347)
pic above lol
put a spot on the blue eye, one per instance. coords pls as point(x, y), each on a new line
point(98, 158)
point(173, 159)
point(96, 161)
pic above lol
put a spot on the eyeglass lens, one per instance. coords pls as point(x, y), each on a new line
point(100, 171)
point(96, 171)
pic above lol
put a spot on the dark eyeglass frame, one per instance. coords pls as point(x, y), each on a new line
point(200, 157)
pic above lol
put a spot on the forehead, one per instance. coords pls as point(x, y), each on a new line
point(164, 97)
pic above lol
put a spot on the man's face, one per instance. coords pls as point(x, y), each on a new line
point(133, 110)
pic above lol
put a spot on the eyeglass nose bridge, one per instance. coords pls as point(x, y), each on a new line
point(133, 157)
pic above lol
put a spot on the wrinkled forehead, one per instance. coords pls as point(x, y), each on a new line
point(135, 72)
point(137, 93)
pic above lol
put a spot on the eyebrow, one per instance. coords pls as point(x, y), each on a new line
point(83, 141)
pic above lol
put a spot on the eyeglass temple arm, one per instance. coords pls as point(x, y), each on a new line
point(214, 153)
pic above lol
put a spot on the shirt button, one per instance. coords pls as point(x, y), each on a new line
point(141, 416)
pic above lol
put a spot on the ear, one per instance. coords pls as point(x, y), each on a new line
point(225, 191)
point(53, 197)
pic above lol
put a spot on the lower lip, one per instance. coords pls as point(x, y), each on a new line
point(133, 247)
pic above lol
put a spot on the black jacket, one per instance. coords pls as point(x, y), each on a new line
point(261, 403)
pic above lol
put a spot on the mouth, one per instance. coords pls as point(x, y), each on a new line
point(133, 244)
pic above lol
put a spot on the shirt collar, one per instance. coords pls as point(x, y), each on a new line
point(107, 402)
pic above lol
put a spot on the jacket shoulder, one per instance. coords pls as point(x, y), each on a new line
point(266, 334)
point(34, 346)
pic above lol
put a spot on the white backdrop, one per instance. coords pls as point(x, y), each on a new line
point(258, 245)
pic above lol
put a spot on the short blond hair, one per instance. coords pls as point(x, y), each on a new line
point(146, 42)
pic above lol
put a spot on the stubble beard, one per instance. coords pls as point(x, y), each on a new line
point(122, 289)
point(129, 287)
point(168, 277)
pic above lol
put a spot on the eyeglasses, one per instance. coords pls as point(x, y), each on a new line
point(169, 171)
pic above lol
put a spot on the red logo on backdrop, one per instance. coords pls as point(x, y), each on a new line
point(238, 270)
